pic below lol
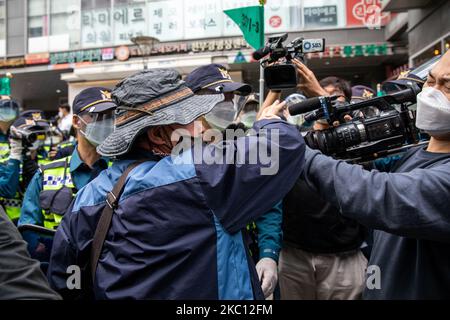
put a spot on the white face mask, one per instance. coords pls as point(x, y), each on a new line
point(433, 112)
point(60, 114)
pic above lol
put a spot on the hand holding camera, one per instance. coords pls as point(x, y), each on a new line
point(308, 83)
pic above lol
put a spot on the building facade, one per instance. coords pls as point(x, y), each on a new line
point(55, 48)
point(424, 23)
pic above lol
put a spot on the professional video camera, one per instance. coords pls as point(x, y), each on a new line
point(284, 75)
point(364, 139)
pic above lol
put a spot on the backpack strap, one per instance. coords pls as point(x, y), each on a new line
point(112, 201)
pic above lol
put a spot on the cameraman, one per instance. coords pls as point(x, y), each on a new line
point(408, 207)
point(320, 258)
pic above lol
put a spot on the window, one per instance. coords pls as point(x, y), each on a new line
point(2, 28)
point(37, 18)
point(53, 25)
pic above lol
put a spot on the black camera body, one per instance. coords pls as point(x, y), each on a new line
point(362, 139)
point(365, 139)
point(284, 75)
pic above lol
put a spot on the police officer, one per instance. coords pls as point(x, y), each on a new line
point(33, 129)
point(27, 135)
point(53, 187)
point(9, 180)
point(9, 110)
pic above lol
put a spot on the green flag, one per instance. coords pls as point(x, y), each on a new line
point(251, 22)
point(5, 86)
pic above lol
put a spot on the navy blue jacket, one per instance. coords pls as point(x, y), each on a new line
point(176, 233)
point(409, 210)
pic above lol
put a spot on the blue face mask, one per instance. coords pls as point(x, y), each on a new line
point(7, 114)
point(97, 131)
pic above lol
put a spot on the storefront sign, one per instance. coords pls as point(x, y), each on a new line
point(175, 20)
point(107, 54)
point(76, 56)
point(366, 13)
point(319, 17)
point(219, 45)
point(12, 62)
point(37, 58)
point(122, 53)
point(350, 51)
point(97, 25)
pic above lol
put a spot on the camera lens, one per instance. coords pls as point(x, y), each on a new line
point(32, 137)
point(336, 140)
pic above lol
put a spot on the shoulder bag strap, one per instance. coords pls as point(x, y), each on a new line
point(112, 200)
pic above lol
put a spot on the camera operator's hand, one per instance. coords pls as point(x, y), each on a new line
point(16, 149)
point(274, 111)
point(309, 84)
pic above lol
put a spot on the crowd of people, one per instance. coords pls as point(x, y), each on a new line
point(130, 195)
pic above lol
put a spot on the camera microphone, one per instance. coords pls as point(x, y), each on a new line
point(261, 53)
point(311, 104)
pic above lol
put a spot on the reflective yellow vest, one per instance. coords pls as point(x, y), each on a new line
point(57, 192)
point(4, 151)
point(12, 206)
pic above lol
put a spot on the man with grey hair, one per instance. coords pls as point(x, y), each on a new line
point(170, 227)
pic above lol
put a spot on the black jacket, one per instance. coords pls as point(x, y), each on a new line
point(314, 225)
point(20, 276)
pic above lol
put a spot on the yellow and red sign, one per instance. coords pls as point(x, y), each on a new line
point(366, 13)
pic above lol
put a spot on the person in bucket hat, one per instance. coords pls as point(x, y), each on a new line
point(154, 226)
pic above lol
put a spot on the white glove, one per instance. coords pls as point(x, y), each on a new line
point(268, 275)
point(16, 149)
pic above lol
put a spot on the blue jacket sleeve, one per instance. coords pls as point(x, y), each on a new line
point(269, 233)
point(412, 204)
point(72, 247)
point(31, 212)
point(258, 170)
point(9, 178)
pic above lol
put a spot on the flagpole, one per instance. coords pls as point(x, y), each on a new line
point(251, 22)
point(261, 86)
point(261, 69)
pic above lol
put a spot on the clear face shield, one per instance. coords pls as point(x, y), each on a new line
point(225, 112)
point(96, 127)
point(248, 111)
point(9, 110)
